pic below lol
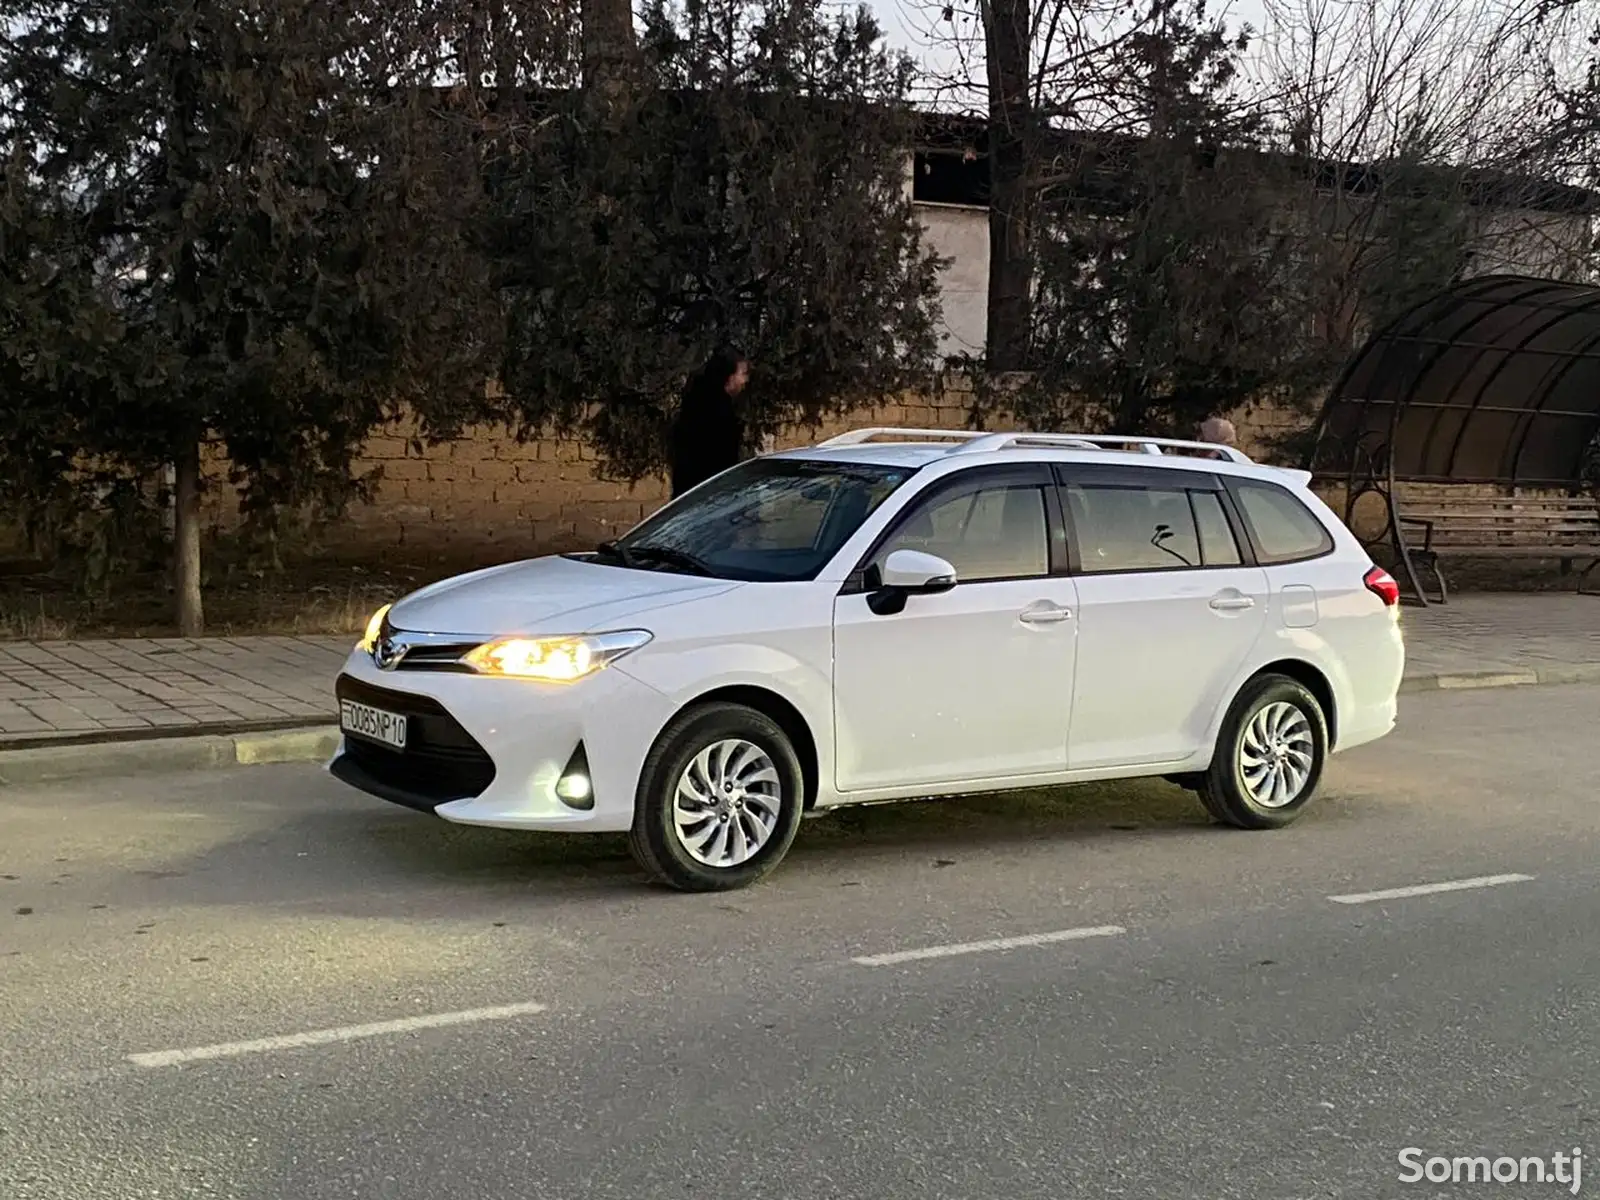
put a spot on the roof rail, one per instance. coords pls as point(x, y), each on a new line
point(978, 442)
point(857, 436)
point(1097, 441)
point(1004, 441)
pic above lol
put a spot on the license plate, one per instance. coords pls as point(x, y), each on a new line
point(373, 723)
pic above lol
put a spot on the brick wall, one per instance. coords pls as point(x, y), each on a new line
point(489, 496)
point(489, 493)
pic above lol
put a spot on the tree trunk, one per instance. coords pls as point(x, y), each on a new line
point(1010, 315)
point(608, 39)
point(186, 543)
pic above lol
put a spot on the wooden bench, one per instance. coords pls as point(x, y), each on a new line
point(1562, 527)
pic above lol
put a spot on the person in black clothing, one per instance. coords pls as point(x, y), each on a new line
point(708, 433)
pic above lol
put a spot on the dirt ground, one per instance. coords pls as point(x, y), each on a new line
point(323, 595)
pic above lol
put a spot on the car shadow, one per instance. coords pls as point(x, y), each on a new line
point(301, 843)
point(477, 871)
point(1002, 820)
point(419, 848)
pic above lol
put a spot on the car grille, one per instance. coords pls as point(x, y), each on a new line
point(441, 761)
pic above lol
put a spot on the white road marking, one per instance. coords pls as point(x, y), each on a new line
point(1026, 939)
point(324, 1037)
point(1429, 889)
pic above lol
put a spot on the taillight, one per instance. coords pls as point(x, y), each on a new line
point(1382, 585)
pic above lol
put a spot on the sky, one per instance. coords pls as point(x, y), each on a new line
point(1449, 60)
point(908, 22)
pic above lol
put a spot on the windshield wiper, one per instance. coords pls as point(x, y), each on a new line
point(671, 557)
point(612, 550)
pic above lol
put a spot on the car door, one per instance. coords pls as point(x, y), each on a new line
point(974, 683)
point(1170, 604)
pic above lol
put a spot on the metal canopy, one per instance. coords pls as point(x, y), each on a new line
point(1496, 380)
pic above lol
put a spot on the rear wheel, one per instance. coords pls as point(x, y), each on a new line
point(1269, 756)
point(719, 800)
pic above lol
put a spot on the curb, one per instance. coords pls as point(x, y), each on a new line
point(203, 752)
point(1467, 680)
point(79, 759)
point(101, 737)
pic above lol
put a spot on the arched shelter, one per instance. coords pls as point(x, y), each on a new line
point(1493, 381)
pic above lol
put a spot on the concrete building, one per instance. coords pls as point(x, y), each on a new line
point(1518, 226)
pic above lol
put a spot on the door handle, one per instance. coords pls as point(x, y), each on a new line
point(1044, 614)
point(1232, 603)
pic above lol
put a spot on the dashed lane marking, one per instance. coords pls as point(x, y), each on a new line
point(1429, 889)
point(325, 1037)
point(1007, 943)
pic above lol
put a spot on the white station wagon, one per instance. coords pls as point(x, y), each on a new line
point(891, 614)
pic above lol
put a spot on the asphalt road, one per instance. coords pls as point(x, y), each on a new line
point(1215, 1026)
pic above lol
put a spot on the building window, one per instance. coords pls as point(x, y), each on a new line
point(950, 177)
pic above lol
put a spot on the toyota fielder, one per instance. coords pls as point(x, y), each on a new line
point(892, 614)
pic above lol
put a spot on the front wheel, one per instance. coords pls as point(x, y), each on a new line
point(1269, 756)
point(720, 799)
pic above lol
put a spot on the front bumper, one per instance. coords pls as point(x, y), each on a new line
point(441, 763)
point(484, 751)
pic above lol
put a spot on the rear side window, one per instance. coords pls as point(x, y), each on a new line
point(1218, 548)
point(1284, 529)
point(1132, 528)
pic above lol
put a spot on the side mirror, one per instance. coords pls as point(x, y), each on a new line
point(907, 573)
point(912, 571)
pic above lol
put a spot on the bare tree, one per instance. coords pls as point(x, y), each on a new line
point(1404, 129)
point(1030, 66)
point(1564, 37)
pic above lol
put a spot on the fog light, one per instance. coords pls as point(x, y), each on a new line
point(574, 788)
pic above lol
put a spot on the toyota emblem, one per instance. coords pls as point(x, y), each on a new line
point(384, 654)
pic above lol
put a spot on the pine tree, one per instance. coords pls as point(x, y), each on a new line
point(253, 203)
point(747, 187)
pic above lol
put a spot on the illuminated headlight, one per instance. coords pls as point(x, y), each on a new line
point(369, 638)
point(553, 659)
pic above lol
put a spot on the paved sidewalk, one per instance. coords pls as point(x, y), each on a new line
point(167, 685)
point(52, 690)
point(1503, 633)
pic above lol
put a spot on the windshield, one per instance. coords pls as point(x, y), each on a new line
point(768, 520)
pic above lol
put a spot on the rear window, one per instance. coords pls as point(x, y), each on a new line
point(1283, 528)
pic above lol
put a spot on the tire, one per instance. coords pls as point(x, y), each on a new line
point(706, 744)
point(1277, 711)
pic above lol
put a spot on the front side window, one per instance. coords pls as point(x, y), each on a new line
point(1132, 528)
point(998, 531)
point(766, 520)
point(1284, 529)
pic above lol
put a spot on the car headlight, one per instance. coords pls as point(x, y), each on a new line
point(553, 659)
point(369, 637)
